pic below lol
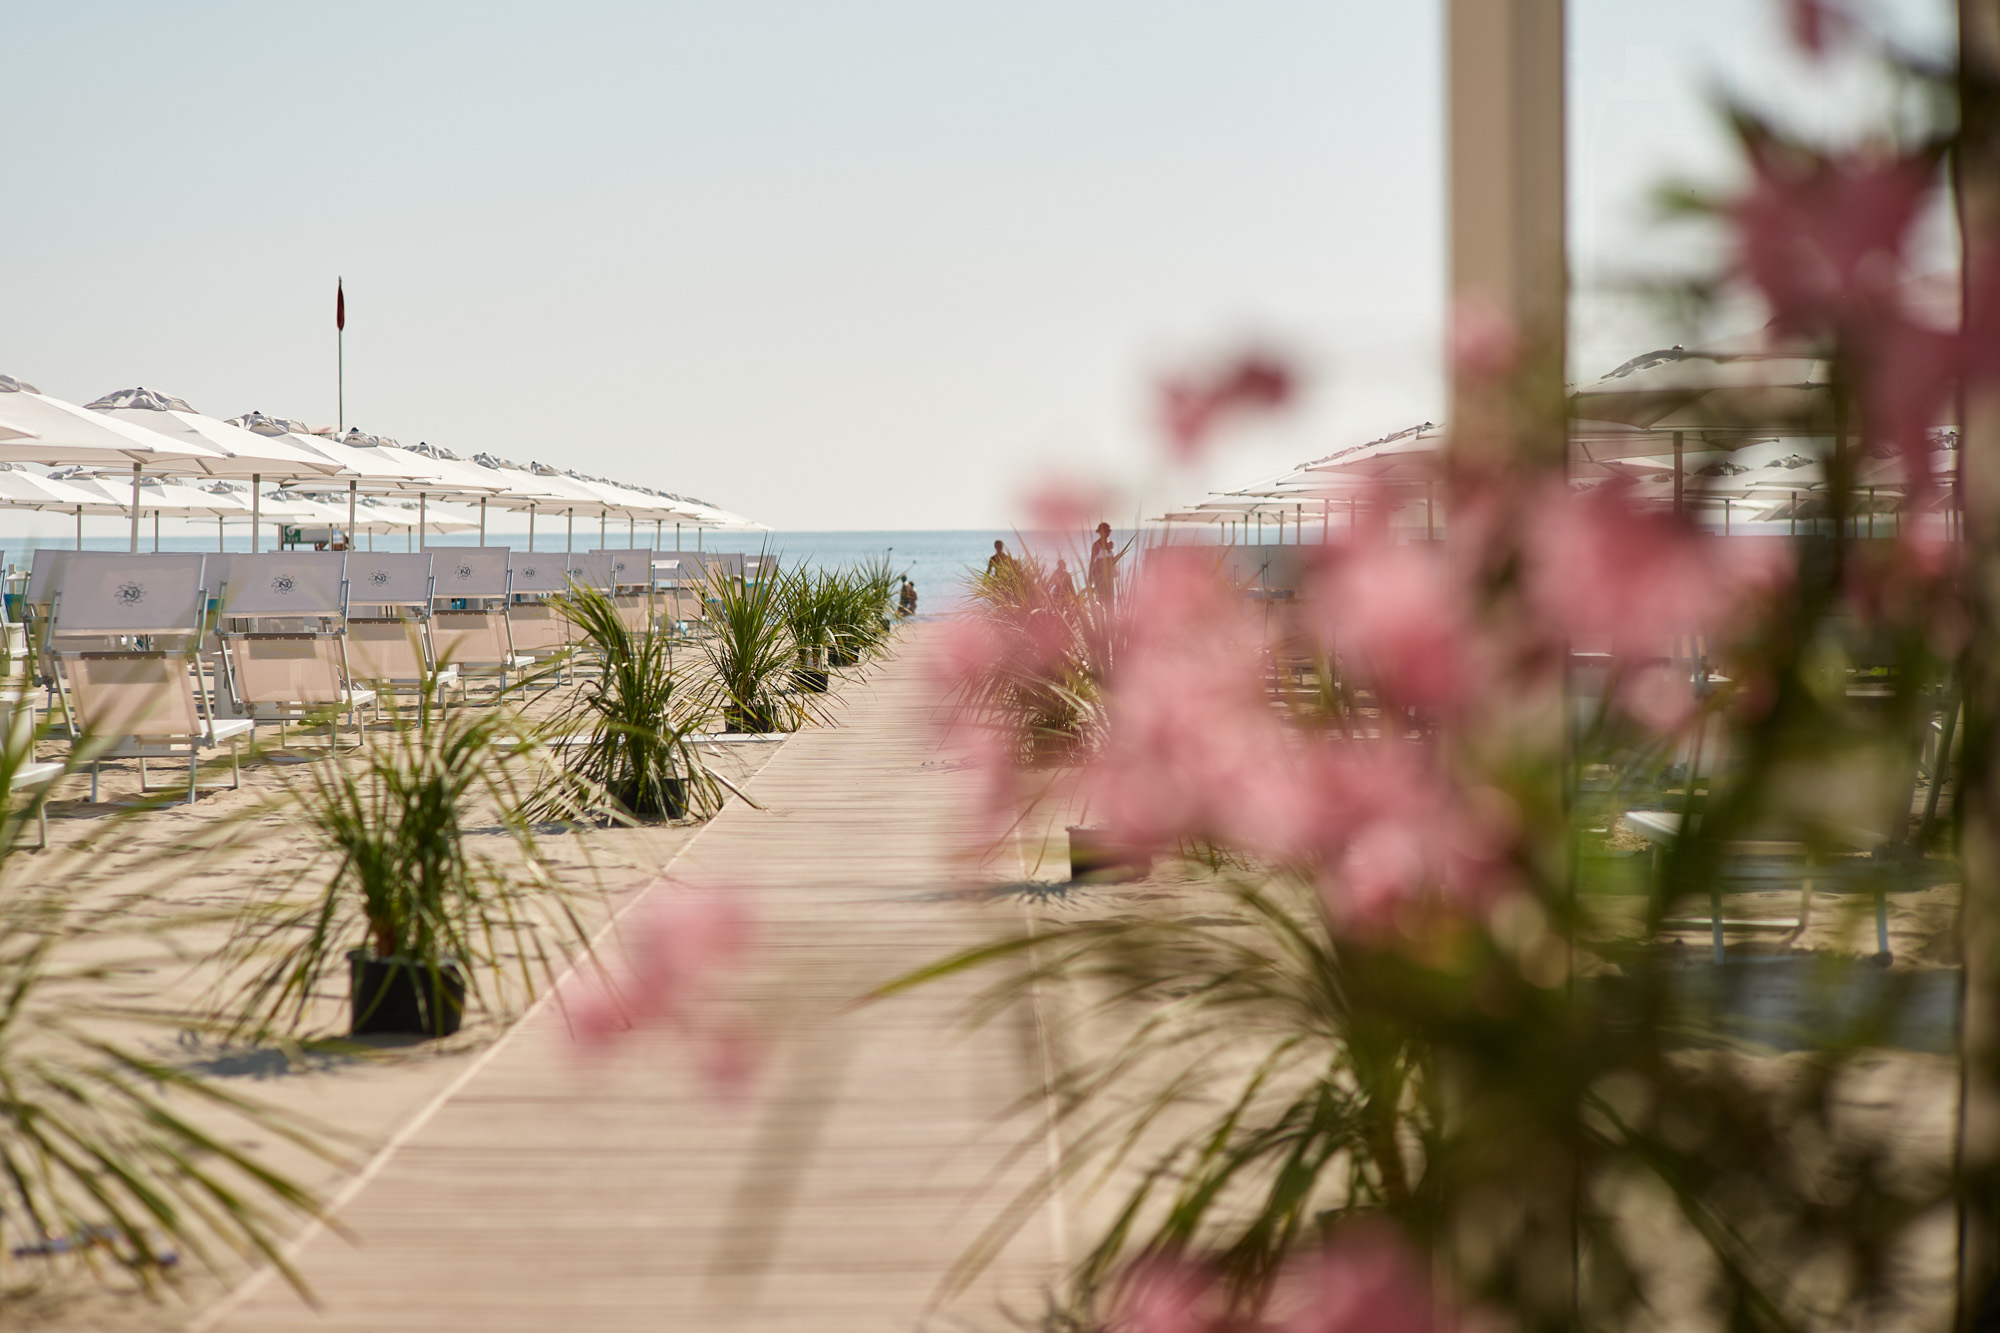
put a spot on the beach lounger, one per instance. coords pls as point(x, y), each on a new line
point(36, 777)
point(538, 629)
point(469, 621)
point(150, 700)
point(391, 647)
point(298, 671)
point(631, 586)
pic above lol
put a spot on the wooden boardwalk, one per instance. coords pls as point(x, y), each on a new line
point(548, 1193)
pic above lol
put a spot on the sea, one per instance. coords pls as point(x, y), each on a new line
point(938, 562)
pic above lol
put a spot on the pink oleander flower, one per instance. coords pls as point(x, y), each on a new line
point(1814, 24)
point(1401, 616)
point(1366, 1281)
point(1600, 571)
point(680, 948)
point(1823, 238)
point(1168, 1297)
point(1066, 505)
point(1190, 727)
point(1658, 696)
point(1194, 404)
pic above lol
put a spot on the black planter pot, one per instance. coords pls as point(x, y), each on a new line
point(674, 793)
point(813, 680)
point(1095, 855)
point(840, 657)
point(396, 995)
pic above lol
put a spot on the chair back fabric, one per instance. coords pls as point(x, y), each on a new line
point(113, 592)
point(631, 567)
point(538, 571)
point(389, 578)
point(469, 571)
point(287, 583)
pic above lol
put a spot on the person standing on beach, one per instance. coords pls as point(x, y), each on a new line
point(999, 560)
point(1104, 566)
point(907, 600)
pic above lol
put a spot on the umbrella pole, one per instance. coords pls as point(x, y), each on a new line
point(135, 508)
point(256, 508)
point(79, 527)
point(350, 513)
point(631, 532)
point(482, 520)
point(531, 527)
point(423, 538)
point(677, 536)
point(1677, 480)
point(569, 537)
point(156, 532)
point(604, 529)
point(221, 535)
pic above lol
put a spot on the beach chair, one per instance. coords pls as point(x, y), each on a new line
point(33, 776)
point(681, 577)
point(538, 627)
point(391, 648)
point(291, 664)
point(148, 699)
point(469, 621)
point(631, 586)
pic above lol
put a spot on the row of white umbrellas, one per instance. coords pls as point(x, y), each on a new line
point(168, 447)
point(1735, 423)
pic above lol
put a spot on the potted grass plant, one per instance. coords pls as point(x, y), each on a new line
point(811, 607)
point(425, 918)
point(751, 655)
point(626, 731)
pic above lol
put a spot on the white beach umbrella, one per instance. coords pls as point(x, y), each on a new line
point(233, 451)
point(161, 497)
point(368, 463)
point(539, 486)
point(58, 433)
point(1714, 392)
point(22, 489)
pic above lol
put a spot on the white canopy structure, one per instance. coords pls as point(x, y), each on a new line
point(231, 450)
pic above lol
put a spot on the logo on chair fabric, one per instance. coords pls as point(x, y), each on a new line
point(464, 571)
point(283, 584)
point(529, 571)
point(380, 578)
point(131, 594)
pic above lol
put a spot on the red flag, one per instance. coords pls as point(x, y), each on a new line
point(339, 306)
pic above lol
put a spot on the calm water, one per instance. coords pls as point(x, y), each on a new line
point(937, 562)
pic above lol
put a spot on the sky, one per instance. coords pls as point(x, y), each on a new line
point(874, 264)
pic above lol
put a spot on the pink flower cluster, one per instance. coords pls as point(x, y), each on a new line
point(1200, 748)
point(680, 947)
point(1364, 1282)
point(1194, 404)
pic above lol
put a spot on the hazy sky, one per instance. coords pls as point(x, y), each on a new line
point(833, 263)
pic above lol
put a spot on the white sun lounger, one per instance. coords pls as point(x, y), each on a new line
point(392, 649)
point(295, 671)
point(631, 586)
point(149, 700)
point(473, 638)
